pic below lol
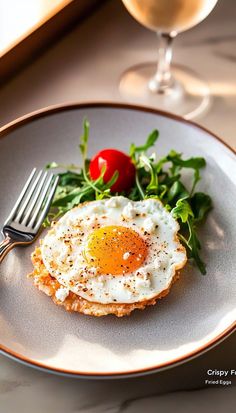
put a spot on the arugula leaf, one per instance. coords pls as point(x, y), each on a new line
point(194, 163)
point(63, 201)
point(152, 186)
point(162, 190)
point(177, 163)
point(112, 181)
point(84, 139)
point(177, 191)
point(201, 204)
point(139, 186)
point(53, 165)
point(70, 179)
point(194, 246)
point(196, 178)
point(160, 164)
point(182, 210)
point(151, 140)
point(98, 186)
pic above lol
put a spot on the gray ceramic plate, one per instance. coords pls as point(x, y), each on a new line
point(198, 313)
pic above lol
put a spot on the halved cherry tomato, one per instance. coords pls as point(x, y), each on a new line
point(113, 160)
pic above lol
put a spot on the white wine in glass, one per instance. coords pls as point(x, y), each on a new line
point(168, 87)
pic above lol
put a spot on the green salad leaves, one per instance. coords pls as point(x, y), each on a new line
point(157, 178)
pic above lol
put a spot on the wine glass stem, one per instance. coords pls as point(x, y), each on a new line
point(163, 78)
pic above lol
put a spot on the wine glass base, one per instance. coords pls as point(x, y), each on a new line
point(189, 96)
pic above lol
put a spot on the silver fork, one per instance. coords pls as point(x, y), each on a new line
point(25, 220)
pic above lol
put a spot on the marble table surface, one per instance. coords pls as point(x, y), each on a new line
point(85, 66)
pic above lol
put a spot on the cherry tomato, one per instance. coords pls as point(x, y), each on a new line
point(113, 160)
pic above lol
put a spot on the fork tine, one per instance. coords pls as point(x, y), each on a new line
point(40, 201)
point(27, 198)
point(35, 197)
point(21, 196)
point(47, 204)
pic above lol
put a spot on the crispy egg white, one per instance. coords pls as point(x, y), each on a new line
point(114, 250)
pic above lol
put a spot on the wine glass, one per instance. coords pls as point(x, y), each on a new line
point(169, 87)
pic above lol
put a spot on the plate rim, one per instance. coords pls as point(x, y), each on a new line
point(48, 110)
point(51, 109)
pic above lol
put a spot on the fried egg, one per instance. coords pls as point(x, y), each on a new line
point(114, 251)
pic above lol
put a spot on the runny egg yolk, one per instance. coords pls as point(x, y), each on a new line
point(115, 250)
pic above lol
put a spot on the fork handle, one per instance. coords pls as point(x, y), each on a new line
point(5, 246)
